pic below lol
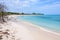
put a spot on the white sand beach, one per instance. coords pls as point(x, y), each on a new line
point(26, 31)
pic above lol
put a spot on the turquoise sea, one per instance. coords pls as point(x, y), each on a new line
point(50, 22)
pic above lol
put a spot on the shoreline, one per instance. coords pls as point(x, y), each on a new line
point(37, 32)
point(44, 29)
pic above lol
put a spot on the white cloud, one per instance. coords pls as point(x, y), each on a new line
point(33, 0)
point(17, 1)
point(25, 3)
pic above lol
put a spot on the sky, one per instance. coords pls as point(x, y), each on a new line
point(33, 6)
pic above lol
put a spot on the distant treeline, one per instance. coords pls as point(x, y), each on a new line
point(12, 13)
point(25, 13)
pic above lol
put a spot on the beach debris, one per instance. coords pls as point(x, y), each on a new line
point(6, 35)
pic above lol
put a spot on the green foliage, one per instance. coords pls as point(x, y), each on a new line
point(12, 13)
point(37, 13)
point(0, 14)
point(4, 13)
point(33, 13)
point(22, 13)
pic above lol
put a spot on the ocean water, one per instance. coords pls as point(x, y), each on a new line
point(50, 22)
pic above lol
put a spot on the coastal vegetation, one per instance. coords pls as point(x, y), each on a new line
point(4, 33)
point(14, 13)
point(37, 13)
point(3, 15)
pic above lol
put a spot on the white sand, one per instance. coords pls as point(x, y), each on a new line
point(27, 31)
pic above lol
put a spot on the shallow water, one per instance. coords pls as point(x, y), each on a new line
point(51, 22)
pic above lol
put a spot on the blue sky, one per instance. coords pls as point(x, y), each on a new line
point(30, 6)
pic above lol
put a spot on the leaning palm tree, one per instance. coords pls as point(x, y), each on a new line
point(2, 12)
